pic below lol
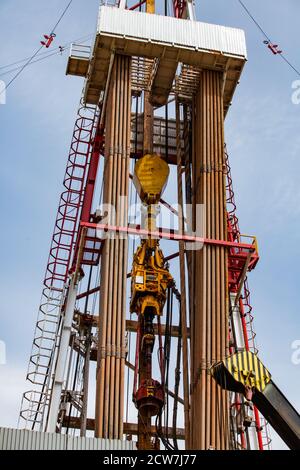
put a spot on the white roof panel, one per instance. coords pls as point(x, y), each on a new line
point(172, 31)
point(170, 41)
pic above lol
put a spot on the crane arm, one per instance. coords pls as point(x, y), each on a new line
point(244, 373)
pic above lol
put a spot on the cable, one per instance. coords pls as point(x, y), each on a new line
point(166, 109)
point(267, 37)
point(159, 431)
point(254, 20)
point(82, 39)
point(22, 68)
point(167, 354)
point(58, 50)
point(36, 52)
point(289, 63)
point(177, 383)
point(31, 63)
point(23, 60)
point(61, 16)
point(167, 359)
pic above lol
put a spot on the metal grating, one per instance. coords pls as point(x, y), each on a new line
point(141, 74)
point(187, 82)
point(159, 136)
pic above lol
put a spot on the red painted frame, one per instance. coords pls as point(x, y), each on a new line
point(170, 235)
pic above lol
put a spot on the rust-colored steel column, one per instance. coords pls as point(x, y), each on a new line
point(209, 312)
point(112, 313)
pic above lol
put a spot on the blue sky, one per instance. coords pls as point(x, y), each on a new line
point(262, 134)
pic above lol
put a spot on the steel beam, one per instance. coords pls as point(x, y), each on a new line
point(170, 235)
point(73, 422)
point(59, 375)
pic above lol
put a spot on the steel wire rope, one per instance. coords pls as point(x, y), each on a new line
point(133, 240)
point(166, 110)
point(36, 52)
point(167, 362)
point(177, 380)
point(21, 70)
point(31, 63)
point(267, 37)
point(167, 349)
point(61, 16)
point(43, 55)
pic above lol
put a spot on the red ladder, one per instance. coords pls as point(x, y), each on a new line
point(46, 335)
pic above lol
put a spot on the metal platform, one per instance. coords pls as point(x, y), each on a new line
point(79, 60)
point(169, 40)
point(159, 137)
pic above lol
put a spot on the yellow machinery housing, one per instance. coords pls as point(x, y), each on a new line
point(150, 279)
point(150, 276)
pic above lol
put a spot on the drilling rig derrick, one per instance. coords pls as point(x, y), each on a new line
point(139, 63)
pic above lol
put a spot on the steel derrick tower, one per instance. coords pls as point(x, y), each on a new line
point(131, 325)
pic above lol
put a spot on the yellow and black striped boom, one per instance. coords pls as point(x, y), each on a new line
point(243, 372)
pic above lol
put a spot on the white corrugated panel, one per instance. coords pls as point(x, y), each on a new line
point(168, 30)
point(21, 439)
point(88, 443)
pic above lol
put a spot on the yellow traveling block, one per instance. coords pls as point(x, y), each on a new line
point(150, 178)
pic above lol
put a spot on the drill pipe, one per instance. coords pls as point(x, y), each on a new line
point(209, 405)
point(111, 351)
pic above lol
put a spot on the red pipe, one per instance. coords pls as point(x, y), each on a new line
point(258, 429)
point(87, 293)
point(134, 7)
point(242, 313)
point(243, 441)
point(256, 414)
point(238, 407)
point(178, 7)
point(231, 236)
point(91, 179)
point(89, 187)
point(169, 234)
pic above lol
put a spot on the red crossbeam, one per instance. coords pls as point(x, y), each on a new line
point(168, 235)
point(137, 5)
